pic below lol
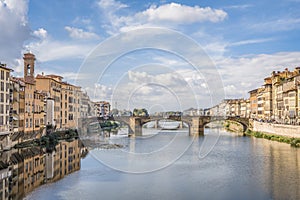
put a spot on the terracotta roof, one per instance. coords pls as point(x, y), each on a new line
point(3, 66)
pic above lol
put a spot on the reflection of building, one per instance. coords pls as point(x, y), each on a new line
point(65, 160)
point(22, 170)
point(34, 164)
point(5, 175)
point(102, 108)
point(17, 179)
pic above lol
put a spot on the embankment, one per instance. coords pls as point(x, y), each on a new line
point(291, 131)
point(276, 132)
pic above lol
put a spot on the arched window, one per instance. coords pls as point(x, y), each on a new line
point(28, 69)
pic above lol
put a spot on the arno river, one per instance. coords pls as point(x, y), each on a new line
point(236, 168)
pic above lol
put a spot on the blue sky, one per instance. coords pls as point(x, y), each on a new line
point(246, 40)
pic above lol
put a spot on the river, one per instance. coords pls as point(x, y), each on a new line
point(167, 165)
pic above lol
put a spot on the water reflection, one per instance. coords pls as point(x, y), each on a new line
point(237, 168)
point(22, 170)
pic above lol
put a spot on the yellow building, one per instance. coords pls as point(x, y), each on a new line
point(253, 103)
point(50, 85)
point(17, 110)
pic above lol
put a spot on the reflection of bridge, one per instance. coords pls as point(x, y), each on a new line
point(196, 123)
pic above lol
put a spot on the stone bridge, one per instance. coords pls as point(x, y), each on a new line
point(196, 123)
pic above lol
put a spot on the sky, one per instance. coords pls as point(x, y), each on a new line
point(149, 53)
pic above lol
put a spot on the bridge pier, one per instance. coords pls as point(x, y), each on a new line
point(156, 124)
point(197, 126)
point(135, 128)
point(181, 125)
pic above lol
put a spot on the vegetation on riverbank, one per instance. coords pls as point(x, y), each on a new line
point(295, 142)
point(49, 141)
point(109, 125)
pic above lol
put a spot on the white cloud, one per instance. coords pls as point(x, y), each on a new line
point(167, 15)
point(282, 24)
point(252, 41)
point(243, 74)
point(14, 29)
point(40, 33)
point(180, 14)
point(111, 5)
point(239, 7)
point(77, 33)
point(50, 50)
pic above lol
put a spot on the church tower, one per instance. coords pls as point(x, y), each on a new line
point(29, 59)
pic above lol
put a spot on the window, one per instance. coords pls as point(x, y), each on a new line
point(2, 75)
point(1, 120)
point(26, 125)
point(2, 86)
point(30, 123)
point(1, 97)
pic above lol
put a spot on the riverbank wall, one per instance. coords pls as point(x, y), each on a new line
point(233, 126)
point(291, 131)
point(289, 134)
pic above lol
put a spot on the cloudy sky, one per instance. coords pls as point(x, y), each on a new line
point(243, 41)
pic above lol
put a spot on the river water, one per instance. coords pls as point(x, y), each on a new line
point(173, 165)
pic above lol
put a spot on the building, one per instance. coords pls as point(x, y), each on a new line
point(87, 107)
point(34, 101)
point(267, 99)
point(102, 108)
point(51, 86)
point(192, 112)
point(253, 103)
point(284, 93)
point(245, 108)
point(17, 109)
point(70, 103)
point(260, 103)
point(5, 100)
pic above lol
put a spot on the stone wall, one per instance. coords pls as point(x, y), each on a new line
point(276, 129)
point(234, 126)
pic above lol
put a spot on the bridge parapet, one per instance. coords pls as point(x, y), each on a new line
point(196, 123)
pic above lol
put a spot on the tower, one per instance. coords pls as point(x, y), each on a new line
point(29, 59)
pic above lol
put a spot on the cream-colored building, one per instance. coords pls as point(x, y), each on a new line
point(5, 100)
point(285, 98)
point(102, 108)
point(70, 105)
